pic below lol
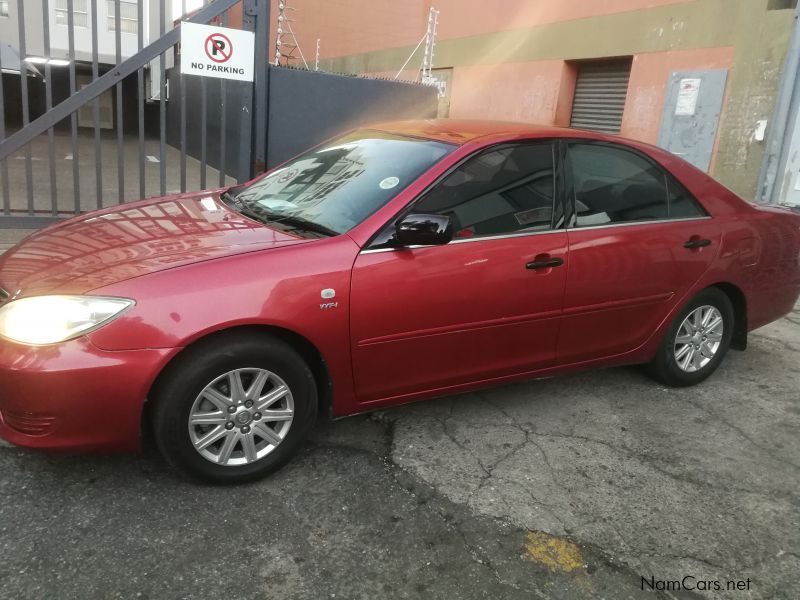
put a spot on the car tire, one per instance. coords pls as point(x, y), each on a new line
point(225, 371)
point(694, 346)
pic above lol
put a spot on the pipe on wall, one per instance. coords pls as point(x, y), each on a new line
point(779, 136)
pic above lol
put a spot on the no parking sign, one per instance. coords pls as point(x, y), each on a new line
point(218, 52)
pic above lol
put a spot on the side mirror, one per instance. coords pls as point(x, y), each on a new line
point(424, 230)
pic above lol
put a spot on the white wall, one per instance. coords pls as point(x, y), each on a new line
point(59, 42)
point(106, 42)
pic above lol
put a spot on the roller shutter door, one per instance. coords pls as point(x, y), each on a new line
point(600, 90)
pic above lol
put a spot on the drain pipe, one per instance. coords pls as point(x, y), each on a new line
point(781, 126)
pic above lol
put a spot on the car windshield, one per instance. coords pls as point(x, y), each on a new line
point(336, 186)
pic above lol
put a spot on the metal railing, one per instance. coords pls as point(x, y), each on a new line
point(46, 195)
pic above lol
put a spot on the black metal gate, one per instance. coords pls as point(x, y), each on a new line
point(101, 172)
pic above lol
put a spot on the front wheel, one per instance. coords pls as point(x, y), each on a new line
point(234, 410)
point(696, 341)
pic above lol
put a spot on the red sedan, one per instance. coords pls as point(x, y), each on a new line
point(392, 264)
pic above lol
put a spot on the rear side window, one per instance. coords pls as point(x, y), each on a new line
point(613, 185)
point(682, 205)
point(503, 190)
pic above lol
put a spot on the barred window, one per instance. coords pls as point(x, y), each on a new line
point(80, 13)
point(128, 16)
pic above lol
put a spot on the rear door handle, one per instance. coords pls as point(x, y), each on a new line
point(545, 263)
point(696, 243)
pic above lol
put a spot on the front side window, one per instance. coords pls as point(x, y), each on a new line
point(336, 186)
point(80, 13)
point(614, 185)
point(508, 189)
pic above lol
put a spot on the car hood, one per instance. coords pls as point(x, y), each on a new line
point(108, 246)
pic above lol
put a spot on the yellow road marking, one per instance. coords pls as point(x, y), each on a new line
point(555, 553)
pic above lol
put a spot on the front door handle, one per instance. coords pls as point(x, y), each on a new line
point(696, 242)
point(545, 263)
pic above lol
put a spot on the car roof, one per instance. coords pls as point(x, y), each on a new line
point(461, 131)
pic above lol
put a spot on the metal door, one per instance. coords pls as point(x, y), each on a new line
point(601, 88)
point(691, 114)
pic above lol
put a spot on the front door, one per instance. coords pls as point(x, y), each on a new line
point(629, 260)
point(480, 307)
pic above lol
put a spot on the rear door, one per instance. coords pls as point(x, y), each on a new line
point(483, 306)
point(638, 241)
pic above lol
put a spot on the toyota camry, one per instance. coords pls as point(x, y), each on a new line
point(394, 263)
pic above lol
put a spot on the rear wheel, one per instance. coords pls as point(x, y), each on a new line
point(697, 340)
point(234, 410)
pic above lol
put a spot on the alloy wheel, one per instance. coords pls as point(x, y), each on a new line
point(241, 416)
point(699, 338)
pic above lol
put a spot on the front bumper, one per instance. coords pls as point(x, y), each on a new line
point(74, 396)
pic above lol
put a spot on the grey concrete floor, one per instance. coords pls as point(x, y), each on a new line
point(573, 487)
point(10, 237)
point(64, 196)
point(43, 193)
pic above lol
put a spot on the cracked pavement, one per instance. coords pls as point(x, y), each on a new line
point(572, 487)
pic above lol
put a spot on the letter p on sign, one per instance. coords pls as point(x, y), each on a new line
point(219, 47)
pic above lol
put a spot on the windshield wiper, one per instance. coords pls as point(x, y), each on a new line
point(302, 223)
point(229, 198)
point(240, 206)
point(268, 217)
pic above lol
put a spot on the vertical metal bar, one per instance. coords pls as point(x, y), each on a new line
point(183, 117)
point(203, 131)
point(48, 90)
point(245, 167)
point(183, 132)
point(222, 132)
point(118, 89)
point(4, 163)
point(98, 157)
point(73, 118)
point(140, 99)
point(162, 105)
point(23, 83)
point(223, 92)
point(203, 128)
point(261, 84)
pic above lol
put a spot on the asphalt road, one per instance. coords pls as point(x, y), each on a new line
point(574, 487)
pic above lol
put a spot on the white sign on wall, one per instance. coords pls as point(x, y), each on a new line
point(218, 52)
point(687, 97)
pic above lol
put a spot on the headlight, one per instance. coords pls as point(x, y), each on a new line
point(51, 319)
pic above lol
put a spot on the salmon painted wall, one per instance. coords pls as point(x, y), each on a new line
point(510, 91)
point(347, 27)
point(459, 18)
point(541, 91)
